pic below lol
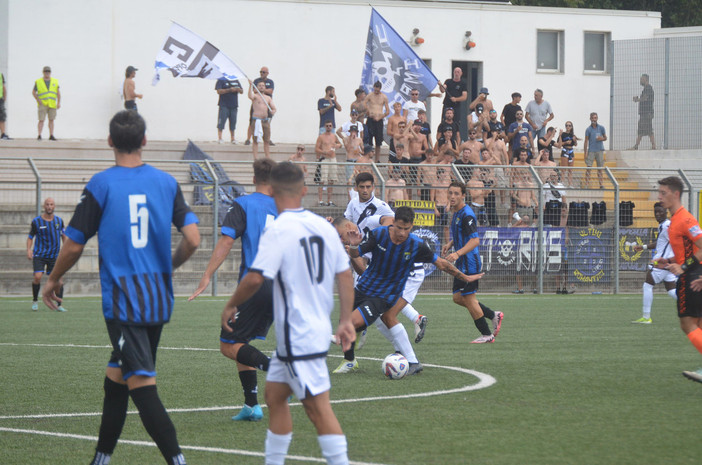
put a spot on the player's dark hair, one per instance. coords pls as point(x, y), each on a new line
point(674, 183)
point(405, 214)
point(287, 178)
point(359, 91)
point(377, 84)
point(657, 205)
point(339, 221)
point(363, 177)
point(458, 184)
point(127, 129)
point(262, 170)
point(516, 94)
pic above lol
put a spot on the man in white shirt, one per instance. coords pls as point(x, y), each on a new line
point(411, 107)
point(655, 275)
point(302, 253)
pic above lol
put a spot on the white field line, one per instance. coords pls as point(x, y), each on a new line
point(151, 444)
point(484, 381)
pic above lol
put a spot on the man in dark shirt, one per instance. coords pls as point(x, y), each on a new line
point(228, 91)
point(645, 102)
point(509, 112)
point(456, 92)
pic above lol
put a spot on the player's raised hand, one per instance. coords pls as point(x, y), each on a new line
point(204, 282)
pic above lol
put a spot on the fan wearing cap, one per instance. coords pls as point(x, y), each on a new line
point(129, 89)
point(353, 145)
point(46, 93)
point(477, 122)
point(482, 99)
point(343, 130)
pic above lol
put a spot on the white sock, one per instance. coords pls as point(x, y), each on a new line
point(385, 332)
point(334, 448)
point(400, 338)
point(410, 313)
point(673, 293)
point(647, 299)
point(276, 447)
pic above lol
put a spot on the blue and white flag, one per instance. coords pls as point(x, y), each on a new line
point(390, 60)
point(186, 54)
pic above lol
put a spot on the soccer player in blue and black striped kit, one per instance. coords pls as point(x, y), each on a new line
point(465, 242)
point(131, 207)
point(43, 245)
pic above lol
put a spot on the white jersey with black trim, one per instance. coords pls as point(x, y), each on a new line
point(663, 248)
point(357, 211)
point(301, 252)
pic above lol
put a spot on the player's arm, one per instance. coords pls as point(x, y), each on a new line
point(690, 264)
point(187, 246)
point(470, 245)
point(68, 256)
point(30, 252)
point(345, 332)
point(448, 267)
point(244, 291)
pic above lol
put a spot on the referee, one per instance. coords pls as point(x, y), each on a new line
point(47, 228)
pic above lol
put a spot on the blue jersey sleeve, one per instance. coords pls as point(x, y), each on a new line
point(182, 214)
point(33, 229)
point(425, 254)
point(470, 227)
point(234, 223)
point(86, 219)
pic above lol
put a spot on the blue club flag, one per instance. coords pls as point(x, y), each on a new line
point(390, 60)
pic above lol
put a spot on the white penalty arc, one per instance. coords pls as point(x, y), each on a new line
point(484, 381)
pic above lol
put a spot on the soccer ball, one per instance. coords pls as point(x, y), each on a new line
point(395, 366)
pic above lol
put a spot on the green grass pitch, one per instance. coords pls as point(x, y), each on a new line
point(576, 383)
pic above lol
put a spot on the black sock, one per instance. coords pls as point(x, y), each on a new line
point(351, 353)
point(482, 326)
point(487, 311)
point(156, 421)
point(249, 382)
point(60, 293)
point(114, 412)
point(35, 291)
point(250, 356)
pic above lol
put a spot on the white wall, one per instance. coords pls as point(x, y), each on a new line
point(307, 46)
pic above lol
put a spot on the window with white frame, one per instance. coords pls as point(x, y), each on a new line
point(549, 51)
point(596, 49)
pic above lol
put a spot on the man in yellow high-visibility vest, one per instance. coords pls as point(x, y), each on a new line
point(46, 93)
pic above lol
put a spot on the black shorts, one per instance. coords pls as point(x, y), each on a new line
point(253, 319)
point(689, 301)
point(130, 105)
point(133, 348)
point(375, 131)
point(40, 264)
point(370, 307)
point(3, 114)
point(463, 287)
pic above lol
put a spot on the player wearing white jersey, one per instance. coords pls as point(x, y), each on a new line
point(358, 211)
point(302, 253)
point(655, 275)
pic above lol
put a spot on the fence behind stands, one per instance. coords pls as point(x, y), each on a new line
point(530, 241)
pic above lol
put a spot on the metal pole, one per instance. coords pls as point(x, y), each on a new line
point(540, 234)
point(611, 92)
point(615, 239)
point(215, 218)
point(380, 179)
point(693, 195)
point(666, 101)
point(37, 176)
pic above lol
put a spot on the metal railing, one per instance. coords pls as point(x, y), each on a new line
point(542, 253)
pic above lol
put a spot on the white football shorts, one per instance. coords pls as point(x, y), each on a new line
point(302, 376)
